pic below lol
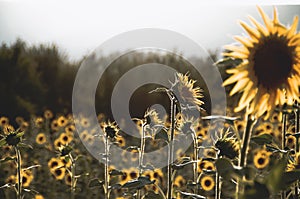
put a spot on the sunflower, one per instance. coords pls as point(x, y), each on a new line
point(295, 163)
point(59, 173)
point(57, 143)
point(4, 121)
point(110, 129)
point(68, 179)
point(39, 122)
point(62, 121)
point(11, 179)
point(179, 181)
point(24, 126)
point(120, 141)
point(85, 123)
point(65, 138)
point(38, 196)
point(184, 90)
point(40, 138)
point(48, 114)
point(207, 183)
point(19, 120)
point(269, 74)
point(54, 163)
point(206, 165)
point(27, 177)
point(70, 129)
point(261, 159)
point(54, 125)
point(290, 141)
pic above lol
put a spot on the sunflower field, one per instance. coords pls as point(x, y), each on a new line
point(248, 149)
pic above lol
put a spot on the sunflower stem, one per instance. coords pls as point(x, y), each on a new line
point(218, 184)
point(73, 183)
point(141, 157)
point(19, 170)
point(284, 117)
point(250, 122)
point(106, 174)
point(170, 152)
point(297, 117)
point(195, 165)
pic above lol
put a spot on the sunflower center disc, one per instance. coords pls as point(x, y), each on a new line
point(272, 62)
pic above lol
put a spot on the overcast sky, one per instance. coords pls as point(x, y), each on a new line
point(79, 27)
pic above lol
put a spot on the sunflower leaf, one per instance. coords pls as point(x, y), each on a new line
point(290, 177)
point(95, 183)
point(2, 142)
point(274, 179)
point(225, 168)
point(116, 172)
point(7, 159)
point(257, 190)
point(162, 134)
point(228, 61)
point(262, 139)
point(23, 145)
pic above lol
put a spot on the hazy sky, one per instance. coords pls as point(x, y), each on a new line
point(79, 27)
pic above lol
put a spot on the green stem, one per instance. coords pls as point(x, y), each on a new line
point(141, 157)
point(297, 117)
point(195, 165)
point(73, 183)
point(218, 185)
point(250, 122)
point(19, 170)
point(284, 117)
point(170, 152)
point(106, 174)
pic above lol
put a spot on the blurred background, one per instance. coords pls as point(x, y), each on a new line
point(44, 43)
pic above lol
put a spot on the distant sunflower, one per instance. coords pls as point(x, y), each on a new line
point(65, 138)
point(179, 181)
point(54, 125)
point(68, 179)
point(207, 183)
point(62, 121)
point(39, 196)
point(59, 173)
point(41, 138)
point(261, 159)
point(269, 74)
point(39, 122)
point(184, 90)
point(48, 114)
point(4, 121)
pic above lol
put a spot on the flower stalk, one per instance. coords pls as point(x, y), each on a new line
point(19, 170)
point(171, 148)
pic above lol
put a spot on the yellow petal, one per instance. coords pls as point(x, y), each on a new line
point(259, 27)
point(247, 97)
point(235, 78)
point(245, 41)
point(266, 19)
point(239, 49)
point(293, 28)
point(237, 55)
point(240, 85)
point(262, 105)
point(251, 31)
point(295, 40)
point(275, 16)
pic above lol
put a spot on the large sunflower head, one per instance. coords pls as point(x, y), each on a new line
point(269, 74)
point(184, 90)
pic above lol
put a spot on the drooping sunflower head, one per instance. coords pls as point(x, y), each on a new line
point(269, 74)
point(184, 89)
